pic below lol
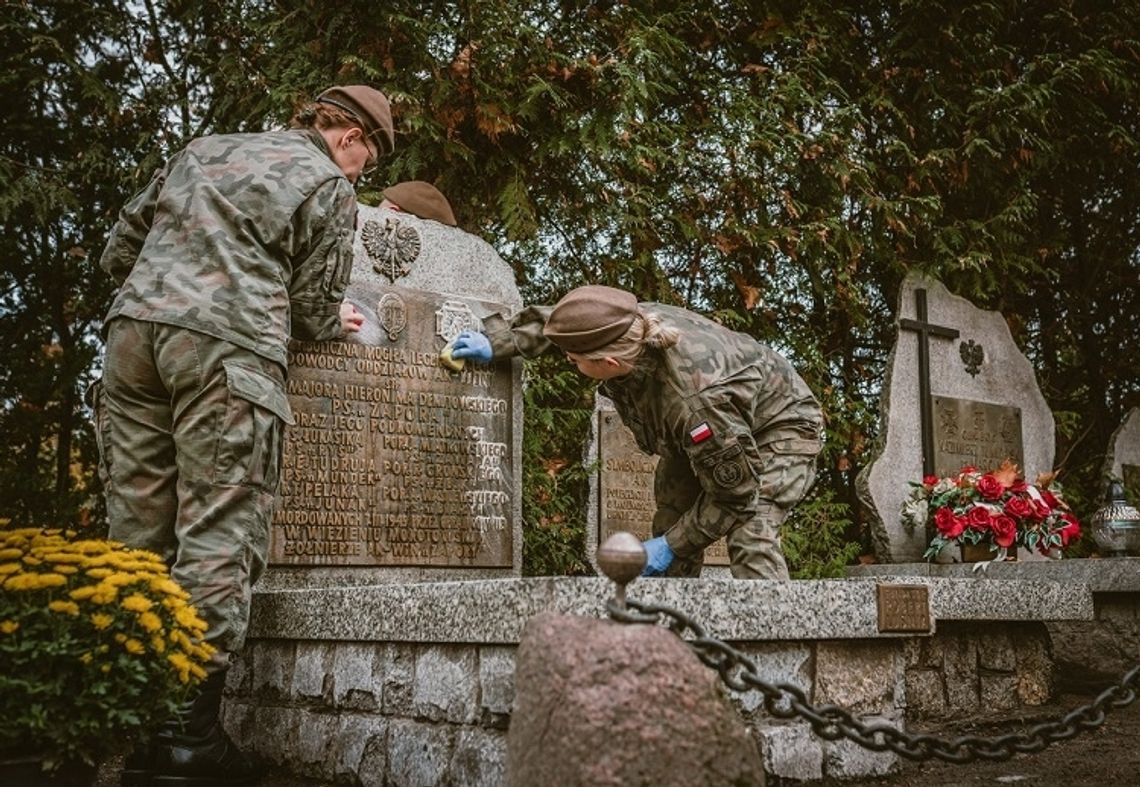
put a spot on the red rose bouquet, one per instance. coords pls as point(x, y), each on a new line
point(997, 509)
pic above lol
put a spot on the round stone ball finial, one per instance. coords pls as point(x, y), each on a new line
point(622, 557)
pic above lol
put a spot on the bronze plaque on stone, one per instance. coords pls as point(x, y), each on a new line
point(625, 487)
point(396, 460)
point(974, 433)
point(903, 608)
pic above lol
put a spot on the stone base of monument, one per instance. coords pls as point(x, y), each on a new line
point(415, 683)
point(1089, 654)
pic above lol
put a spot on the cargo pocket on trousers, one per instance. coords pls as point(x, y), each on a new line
point(96, 399)
point(251, 438)
point(788, 469)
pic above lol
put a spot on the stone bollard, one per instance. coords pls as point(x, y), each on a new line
point(602, 703)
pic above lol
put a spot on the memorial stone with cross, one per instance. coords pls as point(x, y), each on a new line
point(958, 391)
point(399, 468)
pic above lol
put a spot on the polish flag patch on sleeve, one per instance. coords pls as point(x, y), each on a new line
point(700, 432)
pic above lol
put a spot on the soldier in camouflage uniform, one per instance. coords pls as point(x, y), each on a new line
point(238, 243)
point(736, 428)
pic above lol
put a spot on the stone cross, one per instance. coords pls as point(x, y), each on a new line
point(925, 330)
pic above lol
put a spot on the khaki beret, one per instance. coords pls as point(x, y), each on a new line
point(370, 107)
point(422, 199)
point(591, 317)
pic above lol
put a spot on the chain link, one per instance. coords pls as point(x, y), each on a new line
point(831, 722)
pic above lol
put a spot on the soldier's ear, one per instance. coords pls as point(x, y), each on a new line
point(348, 137)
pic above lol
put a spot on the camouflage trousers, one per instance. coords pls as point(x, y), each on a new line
point(190, 430)
point(782, 479)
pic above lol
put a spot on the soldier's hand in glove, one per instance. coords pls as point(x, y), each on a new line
point(473, 345)
point(658, 557)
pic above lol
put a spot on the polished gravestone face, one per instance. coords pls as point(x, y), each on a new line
point(396, 460)
point(977, 403)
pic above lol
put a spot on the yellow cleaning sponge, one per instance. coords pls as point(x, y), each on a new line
point(445, 358)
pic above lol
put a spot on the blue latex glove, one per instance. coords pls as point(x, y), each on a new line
point(473, 345)
point(658, 557)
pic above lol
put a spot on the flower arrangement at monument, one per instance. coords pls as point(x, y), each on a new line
point(97, 645)
point(996, 510)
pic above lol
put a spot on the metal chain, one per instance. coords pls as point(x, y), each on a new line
point(831, 722)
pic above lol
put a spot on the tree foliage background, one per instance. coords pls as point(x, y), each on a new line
point(779, 166)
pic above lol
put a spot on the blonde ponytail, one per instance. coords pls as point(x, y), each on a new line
point(646, 331)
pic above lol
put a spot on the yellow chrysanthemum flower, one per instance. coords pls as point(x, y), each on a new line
point(84, 593)
point(104, 593)
point(87, 657)
point(119, 579)
point(150, 622)
point(135, 647)
point(158, 644)
point(9, 568)
point(91, 547)
point(99, 573)
point(181, 665)
point(18, 582)
point(66, 570)
point(169, 587)
point(63, 557)
point(137, 602)
point(101, 621)
point(10, 554)
point(66, 607)
point(8, 626)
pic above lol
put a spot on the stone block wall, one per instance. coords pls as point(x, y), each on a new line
point(963, 671)
point(413, 684)
point(371, 713)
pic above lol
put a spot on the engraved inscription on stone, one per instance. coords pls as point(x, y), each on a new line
point(903, 608)
point(974, 433)
point(625, 487)
point(396, 460)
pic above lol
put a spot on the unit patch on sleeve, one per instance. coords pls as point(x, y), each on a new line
point(729, 473)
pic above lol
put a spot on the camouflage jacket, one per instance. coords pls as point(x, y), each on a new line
point(720, 399)
point(245, 237)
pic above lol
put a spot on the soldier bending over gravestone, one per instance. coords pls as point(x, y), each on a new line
point(736, 428)
point(240, 241)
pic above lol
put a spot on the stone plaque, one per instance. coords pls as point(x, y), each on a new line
point(974, 433)
point(396, 460)
point(625, 487)
point(903, 608)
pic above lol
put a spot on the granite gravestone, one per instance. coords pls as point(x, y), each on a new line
point(621, 488)
point(398, 467)
point(1123, 459)
point(958, 391)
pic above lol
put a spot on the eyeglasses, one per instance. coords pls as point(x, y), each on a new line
point(373, 157)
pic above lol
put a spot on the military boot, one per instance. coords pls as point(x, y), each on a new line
point(193, 750)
